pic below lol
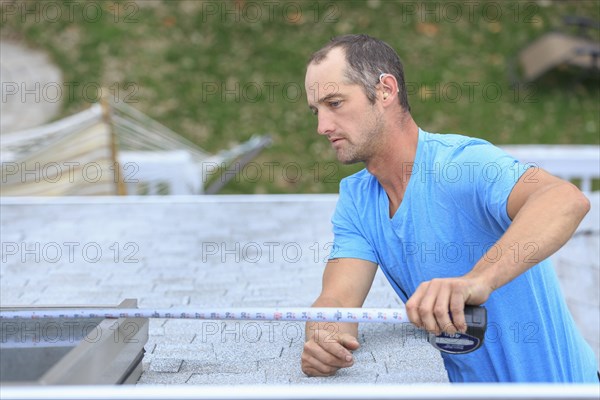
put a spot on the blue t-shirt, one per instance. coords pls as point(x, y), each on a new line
point(453, 211)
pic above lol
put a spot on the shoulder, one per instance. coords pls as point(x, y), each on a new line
point(359, 191)
point(465, 152)
point(362, 182)
point(453, 144)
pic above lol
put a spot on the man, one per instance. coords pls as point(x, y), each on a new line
point(451, 220)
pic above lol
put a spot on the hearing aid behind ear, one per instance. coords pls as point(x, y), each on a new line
point(381, 76)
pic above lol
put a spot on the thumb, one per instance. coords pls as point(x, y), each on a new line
point(348, 341)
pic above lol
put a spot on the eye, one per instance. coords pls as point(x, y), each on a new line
point(314, 111)
point(335, 104)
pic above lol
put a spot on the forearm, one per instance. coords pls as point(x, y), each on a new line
point(543, 225)
point(332, 327)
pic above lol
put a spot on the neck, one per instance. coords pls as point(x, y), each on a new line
point(392, 166)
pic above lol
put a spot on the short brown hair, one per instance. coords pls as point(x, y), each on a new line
point(367, 58)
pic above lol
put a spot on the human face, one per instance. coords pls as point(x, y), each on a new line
point(351, 123)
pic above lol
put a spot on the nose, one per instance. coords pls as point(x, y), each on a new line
point(325, 124)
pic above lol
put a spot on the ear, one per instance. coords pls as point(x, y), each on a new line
point(388, 86)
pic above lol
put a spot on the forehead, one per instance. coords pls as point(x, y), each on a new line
point(327, 77)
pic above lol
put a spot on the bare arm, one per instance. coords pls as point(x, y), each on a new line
point(346, 283)
point(545, 214)
point(545, 211)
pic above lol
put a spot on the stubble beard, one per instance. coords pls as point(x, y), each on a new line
point(366, 145)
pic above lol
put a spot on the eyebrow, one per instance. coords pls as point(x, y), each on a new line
point(325, 98)
point(329, 96)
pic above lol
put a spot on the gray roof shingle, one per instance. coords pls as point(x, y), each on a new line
point(209, 251)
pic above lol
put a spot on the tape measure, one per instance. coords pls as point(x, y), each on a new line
point(471, 340)
point(476, 318)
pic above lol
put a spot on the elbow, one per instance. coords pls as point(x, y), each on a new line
point(585, 205)
point(579, 202)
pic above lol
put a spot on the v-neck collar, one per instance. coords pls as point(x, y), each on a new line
point(384, 202)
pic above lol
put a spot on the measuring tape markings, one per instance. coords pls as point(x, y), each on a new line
point(459, 343)
point(257, 314)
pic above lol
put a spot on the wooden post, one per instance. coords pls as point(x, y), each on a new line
point(106, 109)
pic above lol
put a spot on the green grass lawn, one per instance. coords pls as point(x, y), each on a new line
point(219, 72)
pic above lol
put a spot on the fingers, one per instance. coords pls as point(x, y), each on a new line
point(348, 341)
point(413, 304)
point(324, 354)
point(318, 362)
point(441, 311)
point(457, 308)
point(438, 306)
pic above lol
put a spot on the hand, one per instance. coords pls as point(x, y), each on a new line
point(326, 352)
point(433, 301)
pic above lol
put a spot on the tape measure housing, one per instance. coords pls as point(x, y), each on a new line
point(462, 343)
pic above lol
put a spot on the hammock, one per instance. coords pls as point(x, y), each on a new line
point(109, 149)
